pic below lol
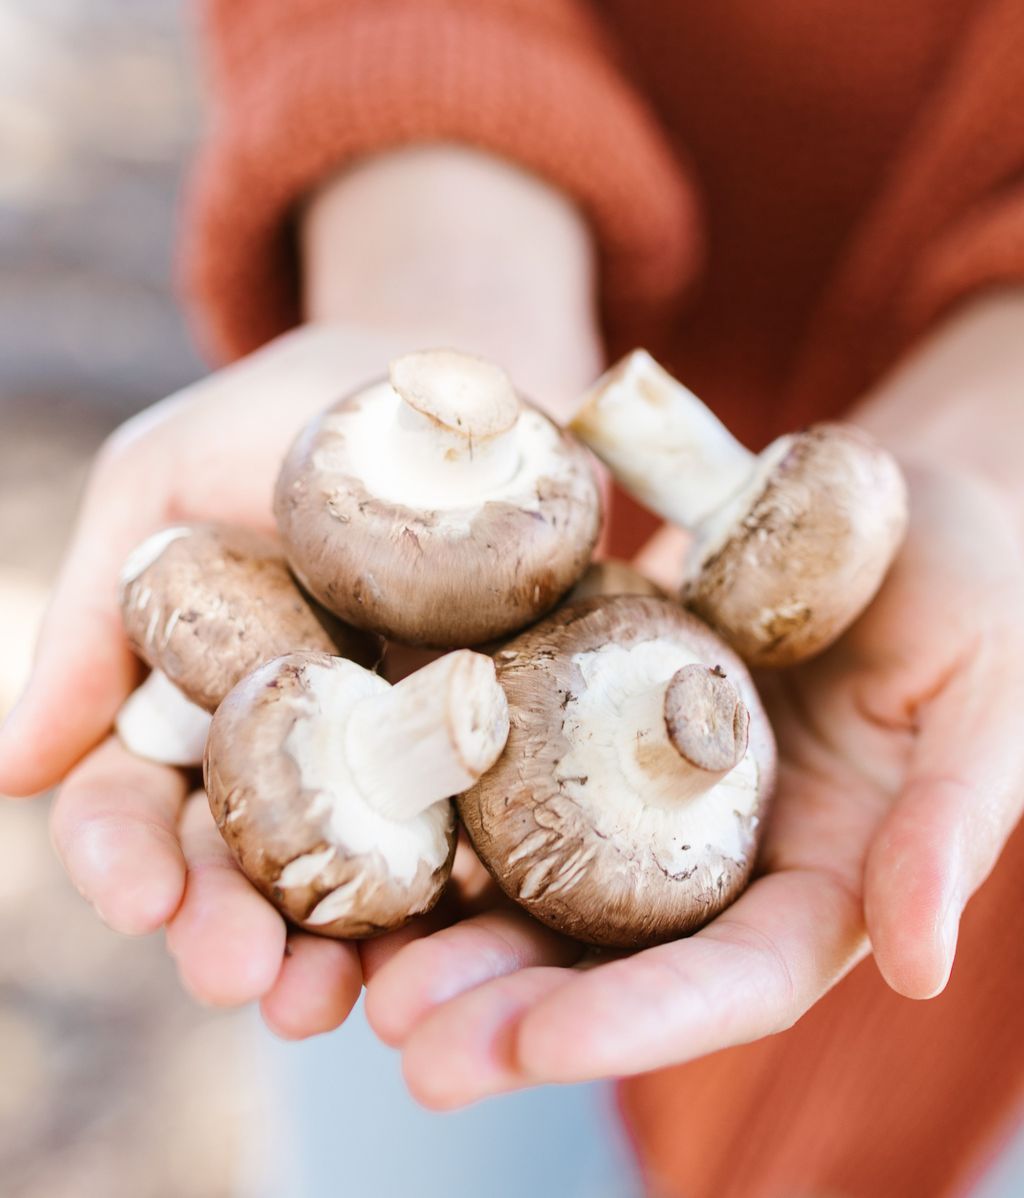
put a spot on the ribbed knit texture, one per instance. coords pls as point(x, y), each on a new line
point(858, 168)
point(299, 89)
point(949, 222)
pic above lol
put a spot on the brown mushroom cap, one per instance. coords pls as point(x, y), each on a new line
point(612, 577)
point(560, 835)
point(207, 603)
point(437, 575)
point(786, 567)
point(296, 824)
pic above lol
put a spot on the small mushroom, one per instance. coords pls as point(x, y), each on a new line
point(790, 545)
point(612, 577)
point(627, 806)
point(203, 605)
point(437, 507)
point(332, 788)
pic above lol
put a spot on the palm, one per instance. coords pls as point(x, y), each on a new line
point(889, 761)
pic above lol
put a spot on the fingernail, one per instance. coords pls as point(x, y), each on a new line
point(10, 720)
point(948, 934)
point(11, 734)
point(951, 932)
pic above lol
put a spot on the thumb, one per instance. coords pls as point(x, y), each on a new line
point(83, 668)
point(962, 798)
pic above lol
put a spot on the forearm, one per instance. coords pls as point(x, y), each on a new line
point(959, 399)
point(444, 245)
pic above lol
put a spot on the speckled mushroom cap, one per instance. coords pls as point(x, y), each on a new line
point(782, 570)
point(414, 511)
point(576, 833)
point(295, 785)
point(207, 603)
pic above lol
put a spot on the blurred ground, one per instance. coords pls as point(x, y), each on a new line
point(112, 1084)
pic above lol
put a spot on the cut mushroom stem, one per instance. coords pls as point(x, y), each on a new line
point(706, 721)
point(428, 737)
point(160, 723)
point(455, 410)
point(662, 443)
point(684, 736)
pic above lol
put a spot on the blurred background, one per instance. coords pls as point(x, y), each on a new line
point(112, 1083)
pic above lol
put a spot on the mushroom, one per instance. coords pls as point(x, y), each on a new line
point(608, 577)
point(332, 788)
point(437, 507)
point(612, 577)
point(202, 605)
point(627, 806)
point(789, 545)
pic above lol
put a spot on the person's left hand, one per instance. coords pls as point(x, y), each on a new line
point(901, 777)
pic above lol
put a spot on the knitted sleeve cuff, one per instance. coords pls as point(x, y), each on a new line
point(303, 88)
point(982, 252)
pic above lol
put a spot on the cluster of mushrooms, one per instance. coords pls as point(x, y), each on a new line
point(603, 745)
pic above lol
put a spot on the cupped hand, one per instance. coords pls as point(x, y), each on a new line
point(141, 852)
point(388, 278)
point(901, 776)
point(135, 846)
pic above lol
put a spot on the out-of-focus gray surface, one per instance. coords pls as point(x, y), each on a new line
point(98, 107)
point(112, 1083)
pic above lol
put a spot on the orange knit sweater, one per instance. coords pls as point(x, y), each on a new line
point(785, 196)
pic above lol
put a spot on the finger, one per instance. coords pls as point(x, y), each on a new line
point(114, 826)
point(227, 939)
point(430, 971)
point(83, 668)
point(465, 1050)
point(316, 989)
point(940, 841)
point(378, 951)
point(750, 973)
point(661, 558)
point(470, 891)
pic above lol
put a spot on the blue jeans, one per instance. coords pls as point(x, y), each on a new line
point(351, 1130)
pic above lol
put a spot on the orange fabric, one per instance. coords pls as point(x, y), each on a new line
point(299, 88)
point(869, 1095)
point(821, 182)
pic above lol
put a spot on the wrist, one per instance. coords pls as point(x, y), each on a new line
point(954, 403)
point(443, 245)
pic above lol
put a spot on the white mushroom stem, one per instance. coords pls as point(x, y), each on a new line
point(662, 443)
point(680, 738)
point(429, 737)
point(159, 723)
point(454, 418)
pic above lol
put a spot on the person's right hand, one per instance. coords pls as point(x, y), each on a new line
point(141, 851)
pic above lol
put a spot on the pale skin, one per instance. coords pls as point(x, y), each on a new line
point(902, 775)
